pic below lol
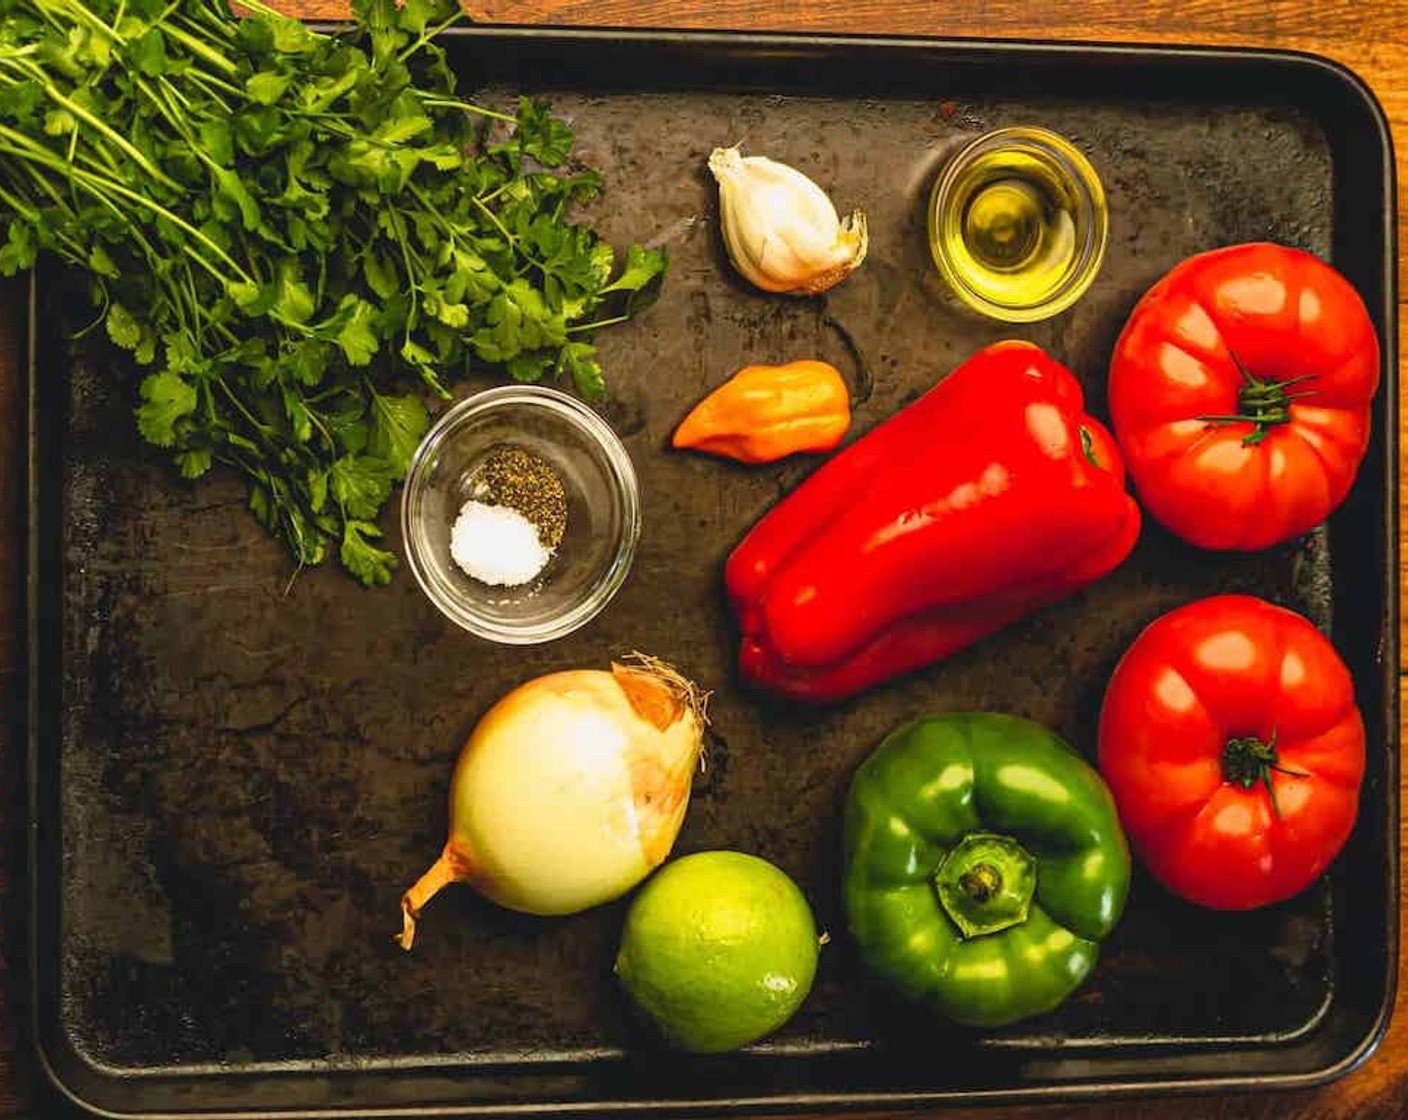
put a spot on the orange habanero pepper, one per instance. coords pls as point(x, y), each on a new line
point(764, 413)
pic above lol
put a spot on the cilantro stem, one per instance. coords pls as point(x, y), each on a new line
point(192, 295)
point(134, 231)
point(211, 83)
point(317, 422)
point(196, 46)
point(55, 95)
point(429, 204)
point(255, 7)
point(577, 328)
point(215, 22)
point(167, 111)
point(83, 14)
point(485, 199)
point(410, 273)
point(186, 227)
point(19, 206)
point(258, 425)
point(73, 158)
point(207, 398)
point(467, 107)
point(426, 36)
point(171, 93)
point(43, 184)
point(494, 218)
point(166, 12)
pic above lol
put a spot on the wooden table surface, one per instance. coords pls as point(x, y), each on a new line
point(1370, 36)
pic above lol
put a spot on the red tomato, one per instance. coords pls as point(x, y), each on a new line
point(1240, 392)
point(1231, 740)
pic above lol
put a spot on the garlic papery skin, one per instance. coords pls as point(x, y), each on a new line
point(781, 230)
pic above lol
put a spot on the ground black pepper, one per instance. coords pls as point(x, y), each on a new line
point(515, 477)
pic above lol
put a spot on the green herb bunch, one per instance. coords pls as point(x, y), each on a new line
point(301, 235)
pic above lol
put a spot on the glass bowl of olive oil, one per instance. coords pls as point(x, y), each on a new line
point(1018, 224)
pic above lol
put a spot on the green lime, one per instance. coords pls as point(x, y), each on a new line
point(719, 949)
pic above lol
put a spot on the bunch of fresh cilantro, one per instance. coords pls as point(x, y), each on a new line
point(300, 235)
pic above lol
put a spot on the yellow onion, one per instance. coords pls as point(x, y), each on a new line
point(570, 790)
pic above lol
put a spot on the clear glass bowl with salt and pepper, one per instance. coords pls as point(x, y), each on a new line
point(520, 514)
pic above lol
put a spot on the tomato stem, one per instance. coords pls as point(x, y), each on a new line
point(1261, 402)
point(1247, 760)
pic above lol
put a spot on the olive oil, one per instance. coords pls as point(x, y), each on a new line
point(1017, 224)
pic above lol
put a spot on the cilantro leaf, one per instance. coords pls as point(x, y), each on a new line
point(290, 36)
point(308, 361)
point(300, 420)
point(218, 140)
point(22, 102)
point(166, 400)
point(123, 327)
point(397, 425)
point(380, 276)
point(148, 52)
point(643, 266)
point(518, 319)
point(267, 86)
point(530, 366)
point(360, 484)
point(193, 463)
point(291, 298)
point(372, 565)
point(577, 360)
point(100, 262)
point(541, 136)
point(415, 15)
point(398, 130)
point(318, 489)
point(19, 250)
point(347, 423)
point(357, 335)
point(233, 197)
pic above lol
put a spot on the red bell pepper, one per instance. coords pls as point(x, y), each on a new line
point(992, 495)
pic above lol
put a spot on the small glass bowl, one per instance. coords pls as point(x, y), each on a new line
point(1066, 175)
point(603, 512)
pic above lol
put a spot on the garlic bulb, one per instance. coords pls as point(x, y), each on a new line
point(780, 228)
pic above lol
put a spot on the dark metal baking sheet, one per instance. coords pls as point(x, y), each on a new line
point(232, 780)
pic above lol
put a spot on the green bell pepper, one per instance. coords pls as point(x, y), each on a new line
point(984, 864)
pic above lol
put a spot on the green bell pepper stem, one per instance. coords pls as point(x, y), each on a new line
point(985, 883)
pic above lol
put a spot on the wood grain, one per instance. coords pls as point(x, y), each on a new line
point(1369, 37)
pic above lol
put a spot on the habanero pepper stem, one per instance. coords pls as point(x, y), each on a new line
point(992, 495)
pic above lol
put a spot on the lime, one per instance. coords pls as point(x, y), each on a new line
point(719, 949)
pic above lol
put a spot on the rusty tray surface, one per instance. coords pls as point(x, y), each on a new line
point(233, 779)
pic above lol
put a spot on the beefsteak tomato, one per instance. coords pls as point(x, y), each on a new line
point(1234, 748)
point(1240, 395)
